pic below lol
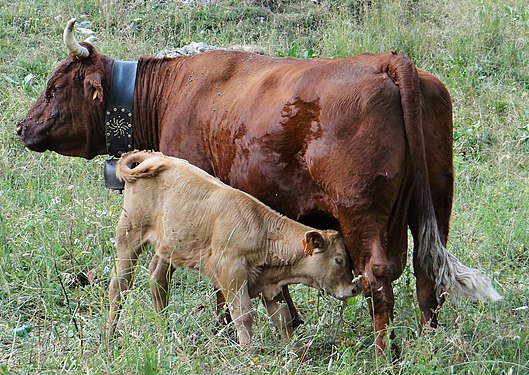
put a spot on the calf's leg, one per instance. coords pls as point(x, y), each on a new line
point(233, 279)
point(223, 314)
point(280, 314)
point(161, 273)
point(241, 313)
point(225, 318)
point(128, 249)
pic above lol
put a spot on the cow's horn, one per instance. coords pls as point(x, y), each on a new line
point(69, 39)
point(91, 39)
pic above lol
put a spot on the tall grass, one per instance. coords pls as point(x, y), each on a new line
point(57, 220)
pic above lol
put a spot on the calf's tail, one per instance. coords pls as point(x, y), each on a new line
point(443, 268)
point(140, 164)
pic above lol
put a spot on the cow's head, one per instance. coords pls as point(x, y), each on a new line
point(68, 117)
point(329, 264)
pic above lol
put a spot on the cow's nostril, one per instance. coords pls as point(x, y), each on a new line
point(19, 128)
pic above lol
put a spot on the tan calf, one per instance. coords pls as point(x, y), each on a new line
point(193, 220)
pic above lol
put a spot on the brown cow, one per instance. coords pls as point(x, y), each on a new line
point(362, 145)
point(194, 220)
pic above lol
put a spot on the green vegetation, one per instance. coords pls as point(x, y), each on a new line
point(57, 219)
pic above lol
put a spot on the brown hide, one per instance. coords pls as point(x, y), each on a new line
point(193, 220)
point(65, 118)
point(323, 141)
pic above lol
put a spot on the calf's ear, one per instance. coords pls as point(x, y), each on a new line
point(92, 88)
point(314, 242)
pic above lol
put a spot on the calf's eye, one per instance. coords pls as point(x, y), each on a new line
point(338, 261)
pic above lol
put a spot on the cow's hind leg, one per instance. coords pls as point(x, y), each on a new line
point(438, 137)
point(378, 292)
point(426, 296)
point(128, 249)
point(442, 193)
point(380, 301)
point(161, 272)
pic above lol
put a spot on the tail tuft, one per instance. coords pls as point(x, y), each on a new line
point(466, 281)
point(448, 273)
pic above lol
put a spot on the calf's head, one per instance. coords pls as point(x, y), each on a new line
point(68, 117)
point(329, 264)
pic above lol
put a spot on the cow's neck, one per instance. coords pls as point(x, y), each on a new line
point(149, 102)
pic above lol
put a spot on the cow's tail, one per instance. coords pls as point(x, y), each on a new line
point(140, 164)
point(449, 275)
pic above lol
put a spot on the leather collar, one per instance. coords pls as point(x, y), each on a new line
point(119, 111)
point(118, 118)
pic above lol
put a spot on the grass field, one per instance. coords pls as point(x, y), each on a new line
point(57, 219)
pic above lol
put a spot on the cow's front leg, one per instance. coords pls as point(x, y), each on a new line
point(161, 273)
point(379, 294)
point(280, 313)
point(378, 290)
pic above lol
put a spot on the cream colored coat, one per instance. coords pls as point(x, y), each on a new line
point(194, 220)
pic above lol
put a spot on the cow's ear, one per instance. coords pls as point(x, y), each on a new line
point(313, 242)
point(92, 88)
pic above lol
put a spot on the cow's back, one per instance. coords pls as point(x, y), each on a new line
point(289, 132)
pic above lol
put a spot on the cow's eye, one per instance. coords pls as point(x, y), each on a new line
point(56, 90)
point(338, 261)
point(53, 91)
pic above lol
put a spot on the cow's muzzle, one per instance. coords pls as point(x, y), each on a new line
point(20, 128)
point(34, 143)
point(351, 290)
